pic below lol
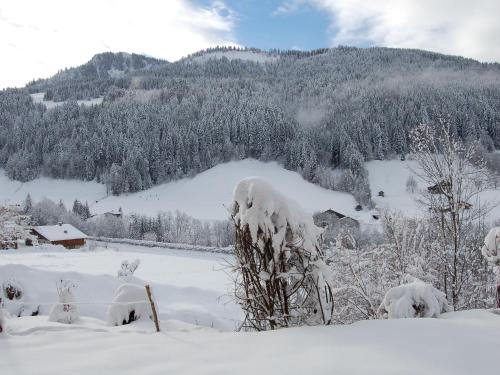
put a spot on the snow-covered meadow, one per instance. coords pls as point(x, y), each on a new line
point(198, 321)
point(207, 195)
point(204, 196)
point(190, 286)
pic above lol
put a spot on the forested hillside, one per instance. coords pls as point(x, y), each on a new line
point(311, 111)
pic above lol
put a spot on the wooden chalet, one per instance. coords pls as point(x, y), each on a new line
point(61, 234)
point(329, 217)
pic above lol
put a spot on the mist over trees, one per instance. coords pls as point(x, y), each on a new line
point(311, 111)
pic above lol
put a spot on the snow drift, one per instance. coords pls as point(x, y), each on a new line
point(414, 300)
point(129, 304)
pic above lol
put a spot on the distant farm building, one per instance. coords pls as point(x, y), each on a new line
point(61, 234)
point(114, 213)
point(332, 221)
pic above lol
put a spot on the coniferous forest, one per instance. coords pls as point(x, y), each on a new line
point(311, 111)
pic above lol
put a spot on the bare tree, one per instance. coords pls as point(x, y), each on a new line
point(455, 179)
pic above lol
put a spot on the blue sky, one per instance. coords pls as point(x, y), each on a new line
point(259, 25)
point(41, 37)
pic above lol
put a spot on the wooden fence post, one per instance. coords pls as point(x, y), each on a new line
point(153, 307)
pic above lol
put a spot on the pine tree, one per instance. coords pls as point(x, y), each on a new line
point(28, 205)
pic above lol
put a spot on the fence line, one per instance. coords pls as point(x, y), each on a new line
point(10, 302)
point(166, 245)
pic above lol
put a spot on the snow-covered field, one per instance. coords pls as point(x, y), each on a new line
point(198, 321)
point(38, 98)
point(189, 286)
point(14, 192)
point(205, 196)
point(390, 176)
point(258, 57)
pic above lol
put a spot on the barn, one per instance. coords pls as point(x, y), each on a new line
point(60, 234)
point(333, 221)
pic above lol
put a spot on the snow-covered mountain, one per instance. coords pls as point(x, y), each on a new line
point(108, 65)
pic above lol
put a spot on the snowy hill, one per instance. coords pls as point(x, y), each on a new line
point(14, 192)
point(204, 197)
point(390, 176)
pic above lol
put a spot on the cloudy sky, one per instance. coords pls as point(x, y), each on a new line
point(40, 37)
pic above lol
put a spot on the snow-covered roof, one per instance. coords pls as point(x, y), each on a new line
point(59, 232)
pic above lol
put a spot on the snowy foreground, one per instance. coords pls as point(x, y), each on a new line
point(198, 324)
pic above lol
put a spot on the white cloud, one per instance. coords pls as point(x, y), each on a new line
point(459, 27)
point(40, 37)
point(289, 6)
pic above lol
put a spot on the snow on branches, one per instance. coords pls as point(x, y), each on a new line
point(127, 269)
point(491, 252)
point(491, 247)
point(65, 311)
point(2, 321)
point(282, 278)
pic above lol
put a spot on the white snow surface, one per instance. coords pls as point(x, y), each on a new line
point(15, 192)
point(188, 286)
point(390, 176)
point(460, 344)
point(259, 57)
point(205, 196)
point(49, 104)
point(198, 323)
point(400, 301)
point(257, 204)
point(60, 232)
point(208, 194)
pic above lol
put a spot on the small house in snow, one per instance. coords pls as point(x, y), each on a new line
point(114, 213)
point(333, 221)
point(60, 234)
point(329, 217)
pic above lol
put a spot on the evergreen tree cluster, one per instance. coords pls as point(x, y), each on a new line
point(312, 112)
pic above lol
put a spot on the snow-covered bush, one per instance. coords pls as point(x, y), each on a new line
point(16, 300)
point(127, 269)
point(491, 252)
point(414, 300)
point(281, 277)
point(65, 311)
point(12, 290)
point(130, 303)
point(3, 325)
